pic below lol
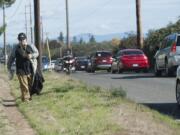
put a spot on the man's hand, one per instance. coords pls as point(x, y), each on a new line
point(29, 56)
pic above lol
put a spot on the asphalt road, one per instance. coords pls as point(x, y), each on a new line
point(155, 92)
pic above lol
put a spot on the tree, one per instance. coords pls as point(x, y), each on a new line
point(115, 42)
point(81, 41)
point(7, 3)
point(92, 39)
point(61, 37)
point(74, 41)
point(129, 41)
point(2, 28)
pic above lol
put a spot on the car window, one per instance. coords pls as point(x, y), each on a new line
point(103, 54)
point(170, 40)
point(163, 45)
point(119, 54)
point(132, 52)
point(178, 41)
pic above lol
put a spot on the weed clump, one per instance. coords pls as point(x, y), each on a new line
point(118, 92)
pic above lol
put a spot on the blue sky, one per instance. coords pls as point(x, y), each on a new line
point(92, 16)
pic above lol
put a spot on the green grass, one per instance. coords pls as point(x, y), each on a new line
point(68, 107)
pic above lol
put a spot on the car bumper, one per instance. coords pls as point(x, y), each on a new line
point(174, 61)
point(136, 66)
point(104, 66)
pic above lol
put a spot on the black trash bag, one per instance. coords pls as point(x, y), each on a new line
point(37, 85)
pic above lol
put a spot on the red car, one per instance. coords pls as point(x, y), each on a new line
point(130, 59)
point(101, 60)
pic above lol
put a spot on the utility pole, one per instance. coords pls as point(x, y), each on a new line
point(67, 26)
point(139, 25)
point(26, 20)
point(37, 31)
point(4, 34)
point(42, 33)
point(31, 27)
point(49, 53)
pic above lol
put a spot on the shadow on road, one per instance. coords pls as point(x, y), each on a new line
point(139, 77)
point(170, 109)
point(134, 77)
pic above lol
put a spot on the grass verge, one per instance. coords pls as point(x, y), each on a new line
point(68, 107)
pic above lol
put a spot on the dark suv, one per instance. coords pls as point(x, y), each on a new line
point(101, 60)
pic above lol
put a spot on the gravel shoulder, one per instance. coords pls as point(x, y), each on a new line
point(12, 122)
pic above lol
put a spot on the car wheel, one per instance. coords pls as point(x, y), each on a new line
point(92, 70)
point(156, 71)
point(178, 92)
point(145, 71)
point(109, 70)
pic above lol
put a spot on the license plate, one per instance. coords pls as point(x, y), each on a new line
point(82, 66)
point(104, 61)
point(135, 65)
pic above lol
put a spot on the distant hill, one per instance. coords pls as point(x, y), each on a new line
point(100, 38)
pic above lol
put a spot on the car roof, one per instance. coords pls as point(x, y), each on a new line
point(131, 50)
point(103, 51)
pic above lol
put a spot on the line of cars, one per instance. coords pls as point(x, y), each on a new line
point(167, 59)
point(124, 60)
point(79, 63)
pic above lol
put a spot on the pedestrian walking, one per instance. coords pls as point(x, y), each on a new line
point(24, 56)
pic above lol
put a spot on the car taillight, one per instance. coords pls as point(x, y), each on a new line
point(173, 48)
point(145, 57)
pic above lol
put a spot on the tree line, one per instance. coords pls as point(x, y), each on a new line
point(81, 48)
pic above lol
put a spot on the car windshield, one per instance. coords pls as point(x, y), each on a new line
point(59, 61)
point(82, 59)
point(132, 52)
point(103, 54)
point(45, 60)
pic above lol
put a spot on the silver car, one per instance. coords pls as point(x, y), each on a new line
point(167, 58)
point(58, 65)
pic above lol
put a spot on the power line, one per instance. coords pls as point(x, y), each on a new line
point(16, 10)
point(95, 11)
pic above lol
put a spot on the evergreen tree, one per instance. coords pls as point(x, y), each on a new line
point(92, 39)
point(2, 28)
point(7, 3)
point(81, 41)
point(61, 37)
point(74, 41)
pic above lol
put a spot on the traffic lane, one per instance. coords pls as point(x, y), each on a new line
point(142, 88)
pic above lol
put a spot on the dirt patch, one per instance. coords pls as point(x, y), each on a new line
point(137, 122)
point(14, 122)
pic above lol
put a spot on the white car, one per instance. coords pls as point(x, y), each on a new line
point(52, 64)
point(178, 86)
point(58, 65)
